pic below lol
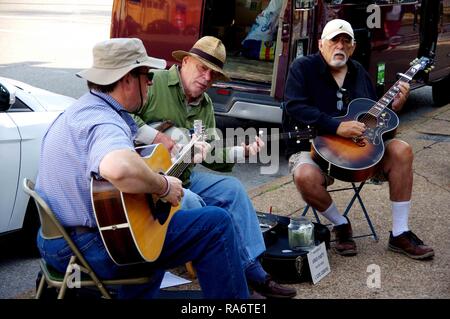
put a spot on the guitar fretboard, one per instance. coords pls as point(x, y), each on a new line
point(389, 96)
point(182, 162)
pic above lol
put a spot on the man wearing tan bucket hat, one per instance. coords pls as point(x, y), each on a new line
point(179, 95)
point(94, 138)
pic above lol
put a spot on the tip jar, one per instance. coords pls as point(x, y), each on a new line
point(301, 234)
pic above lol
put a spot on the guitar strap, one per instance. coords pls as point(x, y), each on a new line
point(164, 126)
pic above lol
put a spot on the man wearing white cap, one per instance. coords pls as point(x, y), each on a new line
point(94, 138)
point(318, 89)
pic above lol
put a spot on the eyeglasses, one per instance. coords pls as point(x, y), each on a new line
point(341, 94)
point(346, 40)
point(149, 75)
point(203, 70)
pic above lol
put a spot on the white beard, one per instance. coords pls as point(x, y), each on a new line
point(339, 63)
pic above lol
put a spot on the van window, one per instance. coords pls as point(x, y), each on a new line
point(248, 28)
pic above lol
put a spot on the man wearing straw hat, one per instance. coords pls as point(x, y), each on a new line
point(94, 138)
point(179, 95)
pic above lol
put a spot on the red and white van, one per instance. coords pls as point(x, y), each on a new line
point(389, 35)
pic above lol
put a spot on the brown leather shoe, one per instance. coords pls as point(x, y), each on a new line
point(344, 244)
point(255, 295)
point(409, 244)
point(271, 289)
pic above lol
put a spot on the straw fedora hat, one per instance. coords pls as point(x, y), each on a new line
point(114, 58)
point(210, 51)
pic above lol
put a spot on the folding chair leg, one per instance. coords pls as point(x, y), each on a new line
point(305, 211)
point(191, 271)
point(40, 287)
point(69, 268)
point(372, 229)
point(356, 195)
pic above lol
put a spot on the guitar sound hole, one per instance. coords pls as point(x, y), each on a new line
point(162, 210)
point(368, 119)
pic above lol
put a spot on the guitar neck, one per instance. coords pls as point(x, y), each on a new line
point(305, 134)
point(183, 161)
point(389, 96)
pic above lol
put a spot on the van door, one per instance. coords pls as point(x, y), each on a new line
point(282, 61)
point(163, 25)
point(295, 31)
point(396, 43)
point(435, 36)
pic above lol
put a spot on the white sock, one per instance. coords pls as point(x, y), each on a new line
point(400, 214)
point(332, 214)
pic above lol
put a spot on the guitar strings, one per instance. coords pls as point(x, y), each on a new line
point(368, 116)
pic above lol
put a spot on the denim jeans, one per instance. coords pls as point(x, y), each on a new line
point(191, 200)
point(204, 236)
point(228, 192)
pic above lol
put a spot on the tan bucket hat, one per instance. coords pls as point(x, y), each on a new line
point(210, 51)
point(116, 57)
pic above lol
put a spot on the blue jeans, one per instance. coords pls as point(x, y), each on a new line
point(204, 236)
point(228, 193)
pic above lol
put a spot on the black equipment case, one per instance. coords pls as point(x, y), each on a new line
point(283, 264)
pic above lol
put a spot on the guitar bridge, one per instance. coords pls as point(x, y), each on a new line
point(360, 141)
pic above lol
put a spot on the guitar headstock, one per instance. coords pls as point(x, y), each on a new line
point(422, 64)
point(199, 130)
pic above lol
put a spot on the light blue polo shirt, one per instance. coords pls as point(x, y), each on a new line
point(72, 149)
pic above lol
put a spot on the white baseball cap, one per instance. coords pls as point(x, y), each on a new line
point(335, 27)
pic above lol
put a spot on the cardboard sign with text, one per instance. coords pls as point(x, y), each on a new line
point(318, 263)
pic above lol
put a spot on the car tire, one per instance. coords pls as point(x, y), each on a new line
point(440, 92)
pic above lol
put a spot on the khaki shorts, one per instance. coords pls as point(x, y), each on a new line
point(300, 158)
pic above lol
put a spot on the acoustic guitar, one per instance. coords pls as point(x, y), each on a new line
point(133, 226)
point(355, 159)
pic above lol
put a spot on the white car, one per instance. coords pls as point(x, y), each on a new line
point(25, 114)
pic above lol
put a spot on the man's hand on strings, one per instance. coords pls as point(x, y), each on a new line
point(401, 97)
point(201, 150)
point(351, 129)
point(253, 148)
point(164, 140)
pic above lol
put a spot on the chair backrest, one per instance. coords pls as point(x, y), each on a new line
point(51, 227)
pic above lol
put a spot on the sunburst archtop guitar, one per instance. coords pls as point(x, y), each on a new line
point(355, 159)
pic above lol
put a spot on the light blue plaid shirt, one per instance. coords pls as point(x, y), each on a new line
point(72, 149)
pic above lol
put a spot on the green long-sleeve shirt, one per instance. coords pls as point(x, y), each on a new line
point(167, 101)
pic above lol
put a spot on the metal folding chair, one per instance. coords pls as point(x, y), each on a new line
point(51, 228)
point(356, 196)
